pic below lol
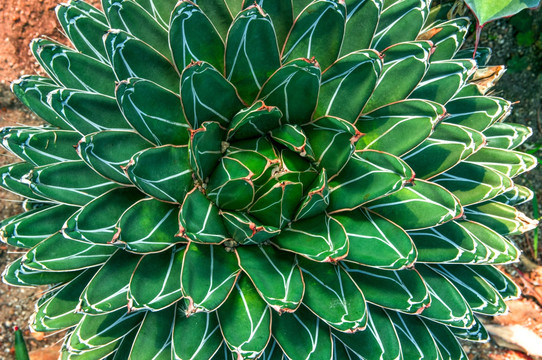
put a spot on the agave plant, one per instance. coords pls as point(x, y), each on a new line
point(299, 179)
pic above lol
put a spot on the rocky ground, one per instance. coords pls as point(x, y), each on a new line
point(516, 42)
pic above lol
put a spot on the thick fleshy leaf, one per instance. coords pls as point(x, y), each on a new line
point(507, 136)
point(447, 36)
point(72, 69)
point(400, 290)
point(40, 146)
point(465, 242)
point(251, 52)
point(157, 225)
point(271, 352)
point(153, 339)
point(368, 175)
point(87, 112)
point(443, 80)
point(246, 230)
point(411, 57)
point(384, 128)
point(486, 11)
point(108, 152)
point(208, 276)
point(320, 238)
point(517, 195)
point(417, 343)
point(509, 162)
point(30, 228)
point(18, 275)
point(164, 124)
point(197, 336)
point(506, 287)
point(57, 253)
point(104, 296)
point(96, 221)
point(32, 91)
point(162, 172)
point(282, 90)
point(301, 335)
point(375, 241)
point(477, 112)
point(504, 219)
point(130, 58)
point(230, 186)
point(333, 296)
point(473, 183)
point(347, 85)
point(479, 294)
point(447, 344)
point(254, 121)
point(245, 321)
point(13, 178)
point(281, 13)
point(135, 20)
point(318, 31)
point(361, 21)
point(275, 275)
point(477, 332)
point(446, 147)
point(419, 206)
point(316, 200)
point(205, 149)
point(59, 311)
point(200, 220)
point(156, 281)
point(293, 137)
point(160, 10)
point(379, 339)
point(70, 182)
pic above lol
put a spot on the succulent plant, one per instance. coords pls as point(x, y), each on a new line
point(269, 179)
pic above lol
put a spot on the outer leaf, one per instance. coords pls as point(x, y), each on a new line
point(361, 20)
point(196, 336)
point(477, 332)
point(281, 13)
point(498, 280)
point(448, 346)
point(19, 275)
point(318, 31)
point(320, 238)
point(153, 339)
point(209, 273)
point(447, 36)
point(507, 136)
point(511, 163)
point(157, 225)
point(275, 275)
point(477, 112)
point(416, 340)
point(245, 320)
point(420, 206)
point(302, 335)
point(504, 219)
point(156, 281)
point(13, 178)
point(333, 296)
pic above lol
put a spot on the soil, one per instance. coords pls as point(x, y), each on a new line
point(23, 20)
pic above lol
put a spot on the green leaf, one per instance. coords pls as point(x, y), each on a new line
point(282, 90)
point(320, 238)
point(293, 137)
point(399, 21)
point(40, 146)
point(130, 58)
point(109, 151)
point(72, 69)
point(444, 149)
point(489, 10)
point(368, 175)
point(401, 290)
point(411, 57)
point(416, 340)
point(384, 128)
point(160, 10)
point(164, 124)
point(275, 275)
point(301, 335)
point(196, 336)
point(19, 275)
point(156, 281)
point(507, 136)
point(317, 32)
point(153, 339)
point(58, 253)
point(254, 121)
point(157, 225)
point(347, 85)
point(515, 196)
point(205, 149)
point(245, 321)
point(361, 20)
point(333, 296)
point(422, 205)
point(220, 15)
point(251, 52)
point(447, 37)
point(477, 112)
point(509, 162)
point(188, 28)
point(230, 186)
point(13, 178)
point(200, 220)
point(246, 230)
point(504, 219)
point(375, 241)
point(447, 344)
point(96, 221)
point(70, 182)
point(506, 287)
point(281, 13)
point(317, 199)
point(476, 333)
point(162, 172)
point(209, 273)
point(34, 226)
point(104, 296)
point(379, 339)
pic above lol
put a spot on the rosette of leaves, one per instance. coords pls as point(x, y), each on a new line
point(270, 179)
